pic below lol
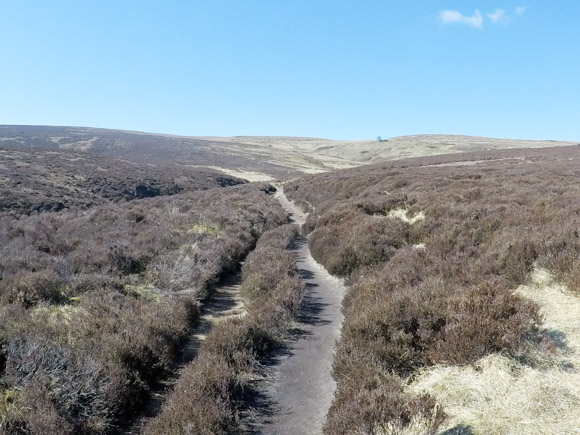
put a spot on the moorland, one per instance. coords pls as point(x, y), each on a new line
point(460, 258)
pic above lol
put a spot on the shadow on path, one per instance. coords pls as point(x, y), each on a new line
point(297, 386)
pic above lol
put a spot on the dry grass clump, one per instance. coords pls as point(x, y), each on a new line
point(96, 304)
point(207, 397)
point(499, 395)
point(402, 214)
point(452, 303)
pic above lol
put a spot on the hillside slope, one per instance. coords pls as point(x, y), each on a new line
point(432, 248)
point(157, 149)
point(339, 154)
point(34, 181)
point(433, 251)
point(273, 157)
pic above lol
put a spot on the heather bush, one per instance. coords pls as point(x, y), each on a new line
point(359, 240)
point(76, 389)
point(209, 395)
point(96, 360)
point(92, 303)
point(29, 288)
point(439, 291)
point(259, 281)
point(380, 407)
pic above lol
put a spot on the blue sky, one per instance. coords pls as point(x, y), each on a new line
point(324, 68)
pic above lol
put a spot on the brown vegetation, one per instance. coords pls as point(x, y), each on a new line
point(95, 304)
point(96, 300)
point(35, 181)
point(452, 302)
point(208, 396)
point(151, 149)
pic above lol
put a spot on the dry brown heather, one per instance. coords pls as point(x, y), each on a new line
point(95, 304)
point(440, 290)
point(209, 395)
point(35, 181)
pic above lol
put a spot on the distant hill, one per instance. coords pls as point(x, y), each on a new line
point(142, 147)
point(248, 156)
point(345, 153)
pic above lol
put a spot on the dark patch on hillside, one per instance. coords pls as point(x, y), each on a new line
point(35, 181)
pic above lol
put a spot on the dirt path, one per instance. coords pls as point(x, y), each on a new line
point(224, 303)
point(301, 388)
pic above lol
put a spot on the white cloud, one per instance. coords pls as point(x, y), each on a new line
point(498, 16)
point(449, 17)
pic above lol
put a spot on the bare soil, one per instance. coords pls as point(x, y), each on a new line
point(300, 387)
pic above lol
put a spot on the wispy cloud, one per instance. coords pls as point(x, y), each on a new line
point(499, 16)
point(451, 17)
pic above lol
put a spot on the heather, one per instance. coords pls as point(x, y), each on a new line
point(34, 181)
point(210, 395)
point(438, 290)
point(95, 304)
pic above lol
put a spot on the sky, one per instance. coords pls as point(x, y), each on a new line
point(338, 69)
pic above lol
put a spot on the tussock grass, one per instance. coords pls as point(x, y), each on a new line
point(403, 215)
point(561, 310)
point(499, 395)
point(202, 228)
